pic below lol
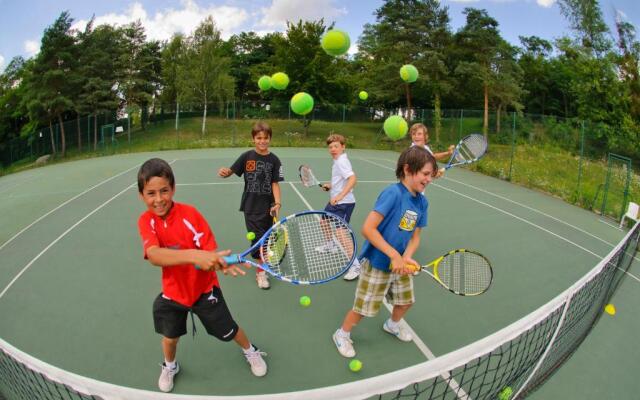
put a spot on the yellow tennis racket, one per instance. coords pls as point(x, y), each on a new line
point(461, 271)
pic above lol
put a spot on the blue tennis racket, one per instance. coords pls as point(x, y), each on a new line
point(305, 248)
point(470, 149)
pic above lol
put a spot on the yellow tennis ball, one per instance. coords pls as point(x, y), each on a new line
point(335, 42)
point(505, 394)
point(279, 81)
point(610, 309)
point(395, 127)
point(363, 95)
point(251, 236)
point(355, 365)
point(305, 301)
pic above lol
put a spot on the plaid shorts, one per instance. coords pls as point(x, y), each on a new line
point(375, 284)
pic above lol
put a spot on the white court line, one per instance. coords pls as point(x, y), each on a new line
point(62, 205)
point(419, 343)
point(520, 219)
point(26, 267)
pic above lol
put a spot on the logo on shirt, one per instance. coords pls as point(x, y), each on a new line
point(408, 221)
point(250, 166)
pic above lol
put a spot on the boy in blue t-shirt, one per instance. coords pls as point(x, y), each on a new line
point(392, 233)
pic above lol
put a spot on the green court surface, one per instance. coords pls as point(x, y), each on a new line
point(76, 293)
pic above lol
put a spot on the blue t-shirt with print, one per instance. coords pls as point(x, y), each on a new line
point(403, 212)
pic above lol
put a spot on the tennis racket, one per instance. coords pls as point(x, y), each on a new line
point(463, 272)
point(280, 240)
point(298, 261)
point(470, 149)
point(307, 177)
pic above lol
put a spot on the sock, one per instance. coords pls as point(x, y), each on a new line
point(343, 333)
point(356, 263)
point(391, 324)
point(170, 364)
point(250, 349)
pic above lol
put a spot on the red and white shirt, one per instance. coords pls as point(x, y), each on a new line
point(183, 228)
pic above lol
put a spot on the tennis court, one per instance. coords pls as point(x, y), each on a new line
point(75, 292)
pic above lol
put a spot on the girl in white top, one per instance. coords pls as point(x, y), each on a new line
point(420, 137)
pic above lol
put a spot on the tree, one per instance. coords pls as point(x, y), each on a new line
point(479, 42)
point(586, 20)
point(205, 71)
point(172, 56)
point(629, 64)
point(12, 111)
point(506, 85)
point(535, 66)
point(48, 90)
point(99, 72)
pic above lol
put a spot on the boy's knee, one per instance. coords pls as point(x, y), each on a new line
point(225, 335)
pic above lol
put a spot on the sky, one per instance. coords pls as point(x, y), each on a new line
point(23, 22)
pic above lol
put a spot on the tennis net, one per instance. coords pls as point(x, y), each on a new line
point(508, 364)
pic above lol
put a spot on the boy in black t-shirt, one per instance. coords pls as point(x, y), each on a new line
point(262, 171)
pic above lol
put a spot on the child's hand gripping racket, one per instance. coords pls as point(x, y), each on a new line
point(463, 272)
point(308, 179)
point(298, 261)
point(470, 149)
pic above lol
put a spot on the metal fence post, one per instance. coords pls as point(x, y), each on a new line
point(578, 193)
point(513, 144)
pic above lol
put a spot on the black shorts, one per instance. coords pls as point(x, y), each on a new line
point(170, 318)
point(343, 211)
point(258, 224)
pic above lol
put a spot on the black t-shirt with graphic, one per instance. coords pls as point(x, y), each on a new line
point(259, 172)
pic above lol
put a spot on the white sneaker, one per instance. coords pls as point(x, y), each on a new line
point(254, 358)
point(328, 247)
point(344, 345)
point(165, 382)
point(400, 332)
point(262, 280)
point(353, 272)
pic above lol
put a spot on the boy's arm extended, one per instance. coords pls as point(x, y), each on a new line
point(412, 246)
point(371, 233)
point(275, 189)
point(205, 260)
point(351, 183)
point(444, 155)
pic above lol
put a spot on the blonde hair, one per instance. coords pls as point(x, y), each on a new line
point(416, 127)
point(335, 137)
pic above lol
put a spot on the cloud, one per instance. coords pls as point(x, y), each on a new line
point(163, 24)
point(546, 3)
point(31, 47)
point(1, 62)
point(282, 11)
point(464, 1)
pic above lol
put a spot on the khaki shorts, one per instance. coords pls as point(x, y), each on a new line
point(374, 285)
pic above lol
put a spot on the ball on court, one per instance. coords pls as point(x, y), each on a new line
point(305, 301)
point(251, 236)
point(610, 309)
point(279, 81)
point(395, 127)
point(505, 394)
point(335, 42)
point(409, 73)
point(264, 83)
point(302, 103)
point(363, 95)
point(355, 365)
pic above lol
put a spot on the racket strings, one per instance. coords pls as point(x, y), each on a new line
point(316, 248)
point(471, 148)
point(307, 177)
point(465, 272)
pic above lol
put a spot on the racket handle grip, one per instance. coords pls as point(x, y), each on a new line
point(232, 259)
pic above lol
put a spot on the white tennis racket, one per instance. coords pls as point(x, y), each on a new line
point(470, 149)
point(307, 177)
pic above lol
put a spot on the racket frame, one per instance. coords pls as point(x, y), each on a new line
point(434, 265)
point(244, 257)
point(457, 150)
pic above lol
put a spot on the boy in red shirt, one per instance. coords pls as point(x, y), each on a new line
point(177, 238)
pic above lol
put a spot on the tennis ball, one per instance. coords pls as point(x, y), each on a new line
point(610, 309)
point(505, 394)
point(305, 301)
point(355, 365)
point(335, 42)
point(409, 73)
point(302, 103)
point(363, 95)
point(279, 80)
point(251, 236)
point(264, 83)
point(395, 127)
